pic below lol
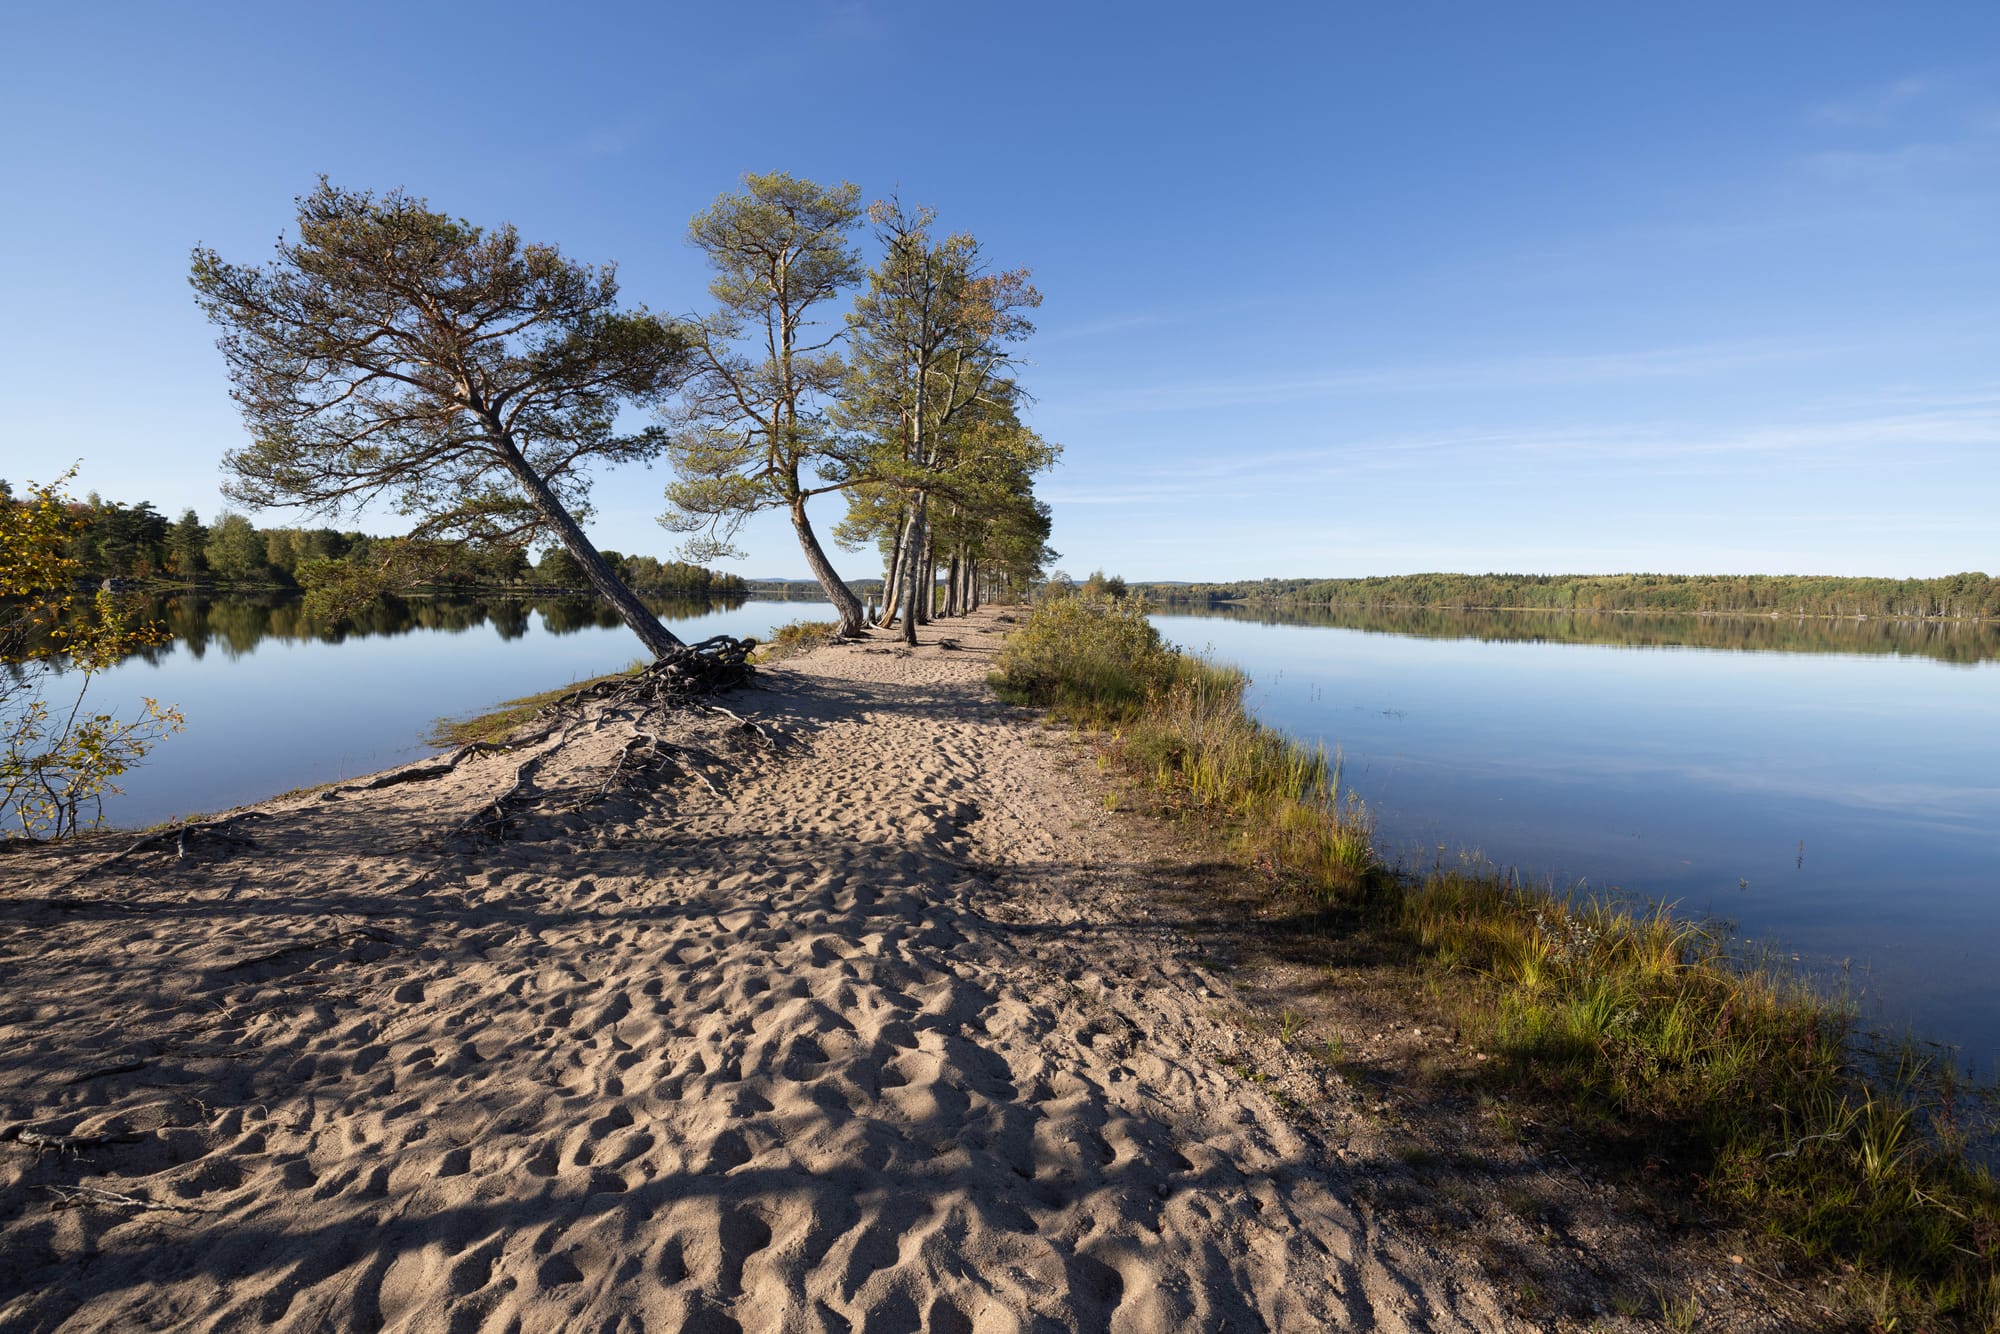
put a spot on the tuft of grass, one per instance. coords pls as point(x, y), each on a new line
point(447, 733)
point(797, 637)
point(1639, 1026)
point(1177, 722)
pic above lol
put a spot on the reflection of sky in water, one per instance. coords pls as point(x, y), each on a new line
point(1844, 807)
point(291, 713)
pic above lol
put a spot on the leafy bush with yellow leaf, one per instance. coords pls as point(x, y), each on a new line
point(58, 760)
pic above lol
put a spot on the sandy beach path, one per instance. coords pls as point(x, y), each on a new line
point(876, 1035)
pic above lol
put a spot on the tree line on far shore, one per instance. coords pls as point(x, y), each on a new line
point(135, 543)
point(1969, 596)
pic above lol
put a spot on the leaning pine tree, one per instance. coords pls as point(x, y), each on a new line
point(395, 353)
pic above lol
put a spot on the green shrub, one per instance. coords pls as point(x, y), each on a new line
point(1093, 661)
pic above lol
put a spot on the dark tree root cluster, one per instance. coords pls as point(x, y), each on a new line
point(682, 680)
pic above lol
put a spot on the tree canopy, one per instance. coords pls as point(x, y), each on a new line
point(392, 352)
point(749, 432)
point(929, 380)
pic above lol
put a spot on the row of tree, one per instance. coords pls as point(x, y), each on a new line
point(108, 540)
point(909, 407)
point(1958, 596)
point(394, 354)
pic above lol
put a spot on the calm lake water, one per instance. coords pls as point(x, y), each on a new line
point(1836, 797)
point(1830, 787)
point(275, 702)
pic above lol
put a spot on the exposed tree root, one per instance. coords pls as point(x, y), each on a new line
point(422, 772)
point(71, 1197)
point(180, 836)
point(103, 1072)
point(44, 1141)
point(320, 943)
point(496, 817)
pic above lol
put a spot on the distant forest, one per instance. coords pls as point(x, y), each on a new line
point(137, 544)
point(1957, 596)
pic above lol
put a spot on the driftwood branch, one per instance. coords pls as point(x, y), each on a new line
point(45, 1141)
point(70, 1197)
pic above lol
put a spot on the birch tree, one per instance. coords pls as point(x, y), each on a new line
point(932, 337)
point(395, 353)
point(749, 432)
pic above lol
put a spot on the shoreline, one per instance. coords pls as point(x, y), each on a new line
point(871, 1027)
point(1264, 1018)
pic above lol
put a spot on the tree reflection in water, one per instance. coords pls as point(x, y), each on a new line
point(236, 624)
point(1946, 641)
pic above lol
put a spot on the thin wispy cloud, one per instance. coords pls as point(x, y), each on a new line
point(1944, 128)
point(1905, 163)
point(1957, 424)
point(1112, 324)
point(1880, 105)
point(1554, 371)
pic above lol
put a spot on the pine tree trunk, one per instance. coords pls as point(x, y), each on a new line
point(892, 581)
point(659, 640)
point(927, 608)
point(913, 574)
point(951, 588)
point(845, 604)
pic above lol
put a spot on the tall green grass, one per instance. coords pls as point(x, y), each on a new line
point(1640, 1027)
point(1179, 721)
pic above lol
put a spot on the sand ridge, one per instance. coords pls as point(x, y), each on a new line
point(874, 1035)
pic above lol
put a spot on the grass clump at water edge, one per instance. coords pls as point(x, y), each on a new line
point(797, 637)
point(511, 715)
point(1179, 721)
point(1640, 1028)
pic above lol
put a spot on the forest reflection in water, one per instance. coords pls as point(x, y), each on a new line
point(1944, 641)
point(276, 699)
point(236, 624)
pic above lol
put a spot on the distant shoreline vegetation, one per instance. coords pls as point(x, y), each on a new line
point(1972, 596)
point(1958, 642)
point(136, 545)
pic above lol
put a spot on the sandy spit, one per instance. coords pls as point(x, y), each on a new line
point(864, 1031)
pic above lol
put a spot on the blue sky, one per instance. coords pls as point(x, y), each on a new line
point(1331, 289)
